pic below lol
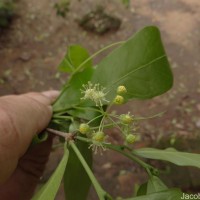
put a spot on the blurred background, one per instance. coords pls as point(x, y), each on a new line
point(34, 36)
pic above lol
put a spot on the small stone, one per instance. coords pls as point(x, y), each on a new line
point(107, 165)
point(197, 123)
point(25, 56)
point(198, 107)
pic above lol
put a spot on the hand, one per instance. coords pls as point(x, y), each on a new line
point(21, 117)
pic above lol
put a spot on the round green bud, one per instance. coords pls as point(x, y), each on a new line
point(130, 138)
point(84, 128)
point(126, 118)
point(121, 90)
point(118, 100)
point(99, 136)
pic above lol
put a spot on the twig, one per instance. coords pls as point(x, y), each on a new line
point(59, 133)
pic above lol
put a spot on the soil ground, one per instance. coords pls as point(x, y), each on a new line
point(31, 49)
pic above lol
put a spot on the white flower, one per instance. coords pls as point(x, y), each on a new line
point(95, 93)
point(97, 147)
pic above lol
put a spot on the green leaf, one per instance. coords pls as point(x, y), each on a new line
point(49, 190)
point(140, 64)
point(142, 190)
point(153, 185)
point(76, 180)
point(75, 56)
point(71, 94)
point(126, 2)
point(84, 113)
point(171, 155)
point(172, 194)
point(39, 138)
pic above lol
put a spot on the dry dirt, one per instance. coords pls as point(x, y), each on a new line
point(36, 41)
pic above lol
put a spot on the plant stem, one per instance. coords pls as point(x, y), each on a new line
point(87, 108)
point(100, 192)
point(55, 146)
point(117, 125)
point(150, 117)
point(94, 55)
point(105, 126)
point(94, 119)
point(62, 91)
point(63, 117)
point(59, 133)
point(61, 112)
point(121, 149)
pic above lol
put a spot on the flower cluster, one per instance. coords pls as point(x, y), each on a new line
point(124, 122)
point(95, 93)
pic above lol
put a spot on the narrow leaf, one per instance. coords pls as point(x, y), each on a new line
point(76, 180)
point(171, 155)
point(49, 190)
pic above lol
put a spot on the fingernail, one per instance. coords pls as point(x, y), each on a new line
point(51, 94)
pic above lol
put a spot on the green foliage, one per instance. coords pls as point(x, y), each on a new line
point(172, 194)
point(6, 12)
point(153, 185)
point(71, 95)
point(140, 67)
point(62, 7)
point(39, 138)
point(171, 155)
point(75, 56)
point(75, 172)
point(49, 190)
point(140, 64)
point(126, 2)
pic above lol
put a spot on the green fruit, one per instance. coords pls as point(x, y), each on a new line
point(121, 90)
point(99, 136)
point(84, 128)
point(118, 100)
point(130, 138)
point(126, 119)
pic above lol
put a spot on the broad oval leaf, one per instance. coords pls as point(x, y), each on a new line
point(140, 64)
point(49, 190)
point(171, 155)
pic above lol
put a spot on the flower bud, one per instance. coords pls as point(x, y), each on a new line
point(99, 136)
point(121, 89)
point(118, 100)
point(126, 118)
point(84, 128)
point(130, 138)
